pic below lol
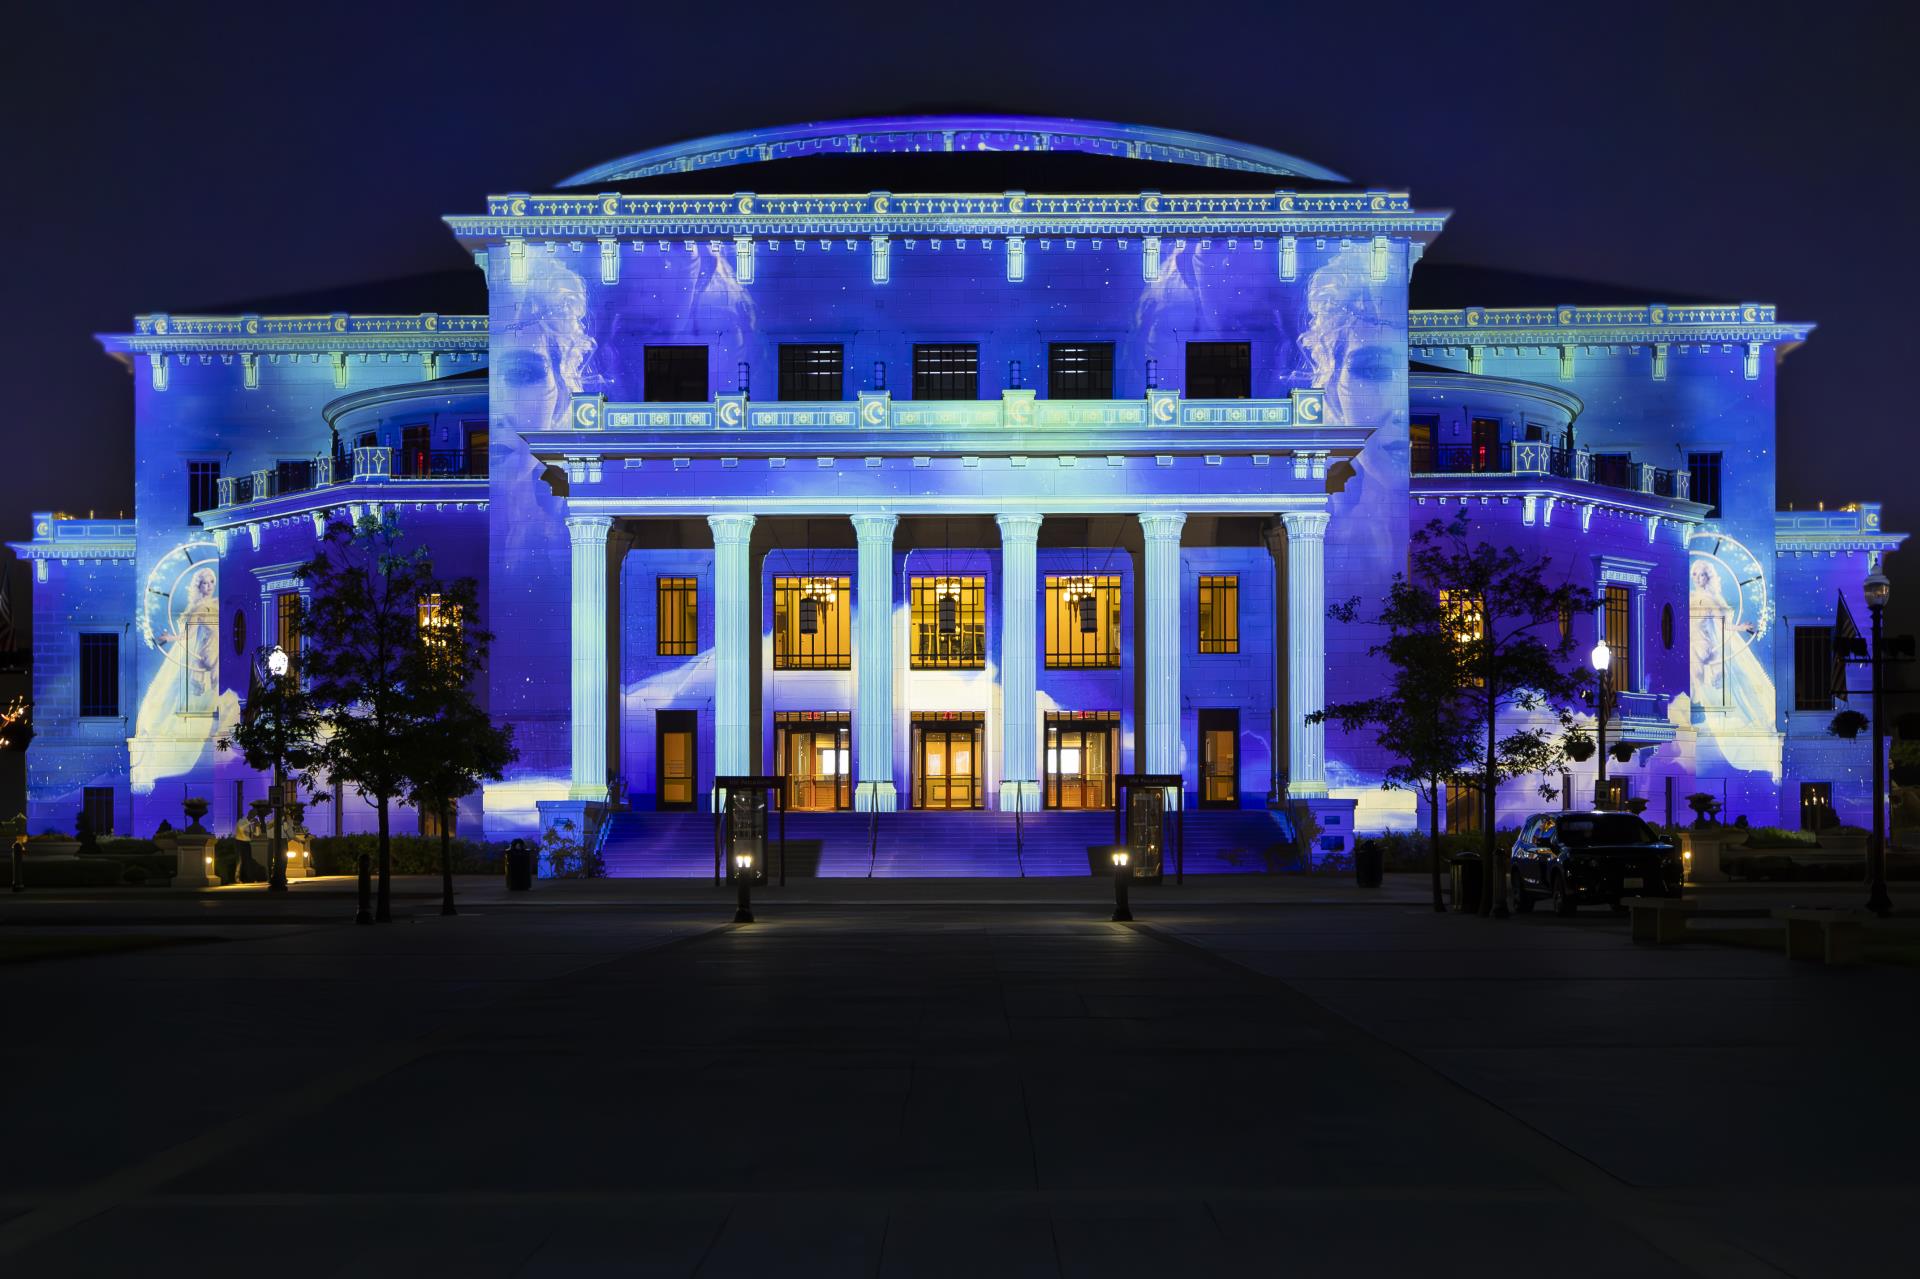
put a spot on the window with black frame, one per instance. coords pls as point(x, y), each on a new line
point(1813, 668)
point(946, 371)
point(1080, 371)
point(675, 375)
point(1219, 613)
point(99, 675)
point(812, 371)
point(678, 617)
point(1219, 370)
point(1703, 481)
point(1083, 621)
point(1617, 603)
point(949, 621)
point(203, 489)
point(811, 629)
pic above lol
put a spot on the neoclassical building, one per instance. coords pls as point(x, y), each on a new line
point(947, 467)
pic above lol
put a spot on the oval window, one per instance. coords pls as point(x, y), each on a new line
point(1666, 626)
point(239, 632)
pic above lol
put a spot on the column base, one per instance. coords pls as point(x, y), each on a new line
point(869, 797)
point(578, 793)
point(1024, 796)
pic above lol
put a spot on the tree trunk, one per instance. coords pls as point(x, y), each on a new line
point(446, 860)
point(1489, 858)
point(1433, 842)
point(383, 894)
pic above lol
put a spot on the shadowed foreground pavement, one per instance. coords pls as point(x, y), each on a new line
point(904, 1087)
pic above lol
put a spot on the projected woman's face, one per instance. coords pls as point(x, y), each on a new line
point(1365, 367)
point(529, 383)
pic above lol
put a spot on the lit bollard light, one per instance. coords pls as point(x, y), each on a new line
point(743, 879)
point(1122, 912)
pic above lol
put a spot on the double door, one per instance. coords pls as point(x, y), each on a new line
point(814, 759)
point(946, 765)
point(1079, 764)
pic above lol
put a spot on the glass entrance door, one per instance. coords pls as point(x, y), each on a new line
point(1219, 758)
point(674, 756)
point(814, 758)
point(1079, 764)
point(946, 766)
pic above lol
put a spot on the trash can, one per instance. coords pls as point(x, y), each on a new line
point(519, 866)
point(1466, 881)
point(1369, 863)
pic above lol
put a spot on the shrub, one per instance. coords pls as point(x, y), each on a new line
point(567, 857)
point(1779, 837)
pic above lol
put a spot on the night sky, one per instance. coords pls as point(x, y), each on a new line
point(182, 157)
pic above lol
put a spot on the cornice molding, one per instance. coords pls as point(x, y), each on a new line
point(611, 215)
point(1565, 325)
point(163, 333)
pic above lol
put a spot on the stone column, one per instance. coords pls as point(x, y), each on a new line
point(1019, 642)
point(589, 627)
point(873, 661)
point(733, 586)
point(1161, 722)
point(1276, 539)
point(1307, 652)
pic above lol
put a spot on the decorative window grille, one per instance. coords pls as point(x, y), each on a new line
point(946, 372)
point(812, 371)
point(99, 674)
point(811, 629)
point(949, 622)
point(1080, 371)
point(678, 631)
point(1220, 613)
point(1083, 621)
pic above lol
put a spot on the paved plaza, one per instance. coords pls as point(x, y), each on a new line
point(1285, 1077)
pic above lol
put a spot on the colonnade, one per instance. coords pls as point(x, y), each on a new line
point(1021, 637)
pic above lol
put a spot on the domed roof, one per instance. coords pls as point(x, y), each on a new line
point(954, 135)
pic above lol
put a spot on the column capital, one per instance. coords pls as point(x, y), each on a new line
point(1163, 525)
point(1018, 527)
point(589, 528)
point(874, 526)
point(1305, 526)
point(734, 530)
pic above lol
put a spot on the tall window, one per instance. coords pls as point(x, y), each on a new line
point(416, 452)
point(1617, 604)
point(1816, 806)
point(1220, 613)
point(100, 674)
point(286, 627)
point(1083, 621)
point(810, 624)
point(946, 372)
point(439, 620)
point(1703, 469)
point(203, 489)
point(1812, 668)
point(949, 621)
point(812, 371)
point(1080, 371)
point(678, 631)
point(97, 803)
point(1463, 808)
point(675, 374)
point(1219, 370)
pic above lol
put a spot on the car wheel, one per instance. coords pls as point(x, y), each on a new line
point(1563, 904)
point(1522, 899)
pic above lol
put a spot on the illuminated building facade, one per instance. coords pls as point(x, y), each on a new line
point(951, 466)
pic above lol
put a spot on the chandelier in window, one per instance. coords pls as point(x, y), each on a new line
point(1079, 593)
point(816, 593)
point(947, 599)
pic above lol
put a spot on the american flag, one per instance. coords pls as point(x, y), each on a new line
point(1846, 640)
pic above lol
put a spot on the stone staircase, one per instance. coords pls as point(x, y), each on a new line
point(935, 844)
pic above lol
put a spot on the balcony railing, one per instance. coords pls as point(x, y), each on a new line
point(1535, 457)
point(360, 465)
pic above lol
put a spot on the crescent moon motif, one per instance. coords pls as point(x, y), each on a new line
point(1163, 410)
point(882, 204)
point(587, 413)
point(610, 205)
point(875, 411)
point(518, 208)
point(730, 414)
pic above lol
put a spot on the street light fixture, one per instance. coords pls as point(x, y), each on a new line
point(1878, 589)
point(1602, 661)
point(1122, 912)
point(743, 879)
point(278, 664)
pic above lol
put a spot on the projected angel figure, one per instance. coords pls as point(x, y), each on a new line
point(183, 708)
point(1726, 674)
point(1355, 349)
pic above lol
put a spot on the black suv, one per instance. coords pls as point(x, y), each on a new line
point(1592, 857)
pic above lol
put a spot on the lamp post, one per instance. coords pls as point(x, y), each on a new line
point(743, 879)
point(1122, 912)
point(1602, 660)
point(1877, 588)
point(278, 665)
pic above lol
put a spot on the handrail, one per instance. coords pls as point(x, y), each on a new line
point(1019, 812)
point(873, 828)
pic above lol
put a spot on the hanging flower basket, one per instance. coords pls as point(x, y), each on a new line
point(1622, 751)
point(1579, 749)
point(1847, 724)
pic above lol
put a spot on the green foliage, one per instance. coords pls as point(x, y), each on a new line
point(1780, 837)
point(450, 744)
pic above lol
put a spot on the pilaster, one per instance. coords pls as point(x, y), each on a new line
point(1306, 652)
point(1019, 640)
point(873, 664)
point(732, 644)
point(588, 534)
point(1161, 728)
